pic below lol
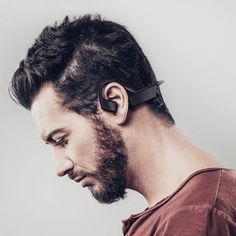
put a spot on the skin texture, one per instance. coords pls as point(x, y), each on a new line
point(151, 157)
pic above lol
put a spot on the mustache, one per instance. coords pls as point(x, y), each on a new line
point(72, 174)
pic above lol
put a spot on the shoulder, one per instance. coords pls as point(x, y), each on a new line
point(206, 205)
point(201, 188)
point(225, 200)
point(208, 189)
point(197, 220)
point(212, 186)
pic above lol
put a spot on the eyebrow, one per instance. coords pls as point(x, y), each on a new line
point(49, 138)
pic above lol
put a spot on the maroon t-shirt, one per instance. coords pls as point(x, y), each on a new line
point(204, 204)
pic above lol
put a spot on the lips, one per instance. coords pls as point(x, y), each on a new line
point(78, 179)
point(86, 182)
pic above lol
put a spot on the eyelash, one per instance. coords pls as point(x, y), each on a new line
point(62, 142)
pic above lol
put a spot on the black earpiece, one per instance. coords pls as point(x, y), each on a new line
point(135, 98)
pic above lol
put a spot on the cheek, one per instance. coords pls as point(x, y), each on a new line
point(82, 150)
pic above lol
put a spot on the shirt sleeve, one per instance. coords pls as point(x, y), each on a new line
point(197, 221)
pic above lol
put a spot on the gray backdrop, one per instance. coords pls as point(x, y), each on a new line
point(191, 46)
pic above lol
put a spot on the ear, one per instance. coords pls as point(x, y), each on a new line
point(116, 92)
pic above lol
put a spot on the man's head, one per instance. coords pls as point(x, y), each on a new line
point(59, 82)
point(88, 150)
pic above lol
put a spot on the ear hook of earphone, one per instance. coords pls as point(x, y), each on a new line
point(135, 98)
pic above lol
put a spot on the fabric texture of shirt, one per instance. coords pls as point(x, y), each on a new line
point(204, 204)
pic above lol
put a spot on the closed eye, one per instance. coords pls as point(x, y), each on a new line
point(61, 142)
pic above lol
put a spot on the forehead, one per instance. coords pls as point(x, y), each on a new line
point(45, 103)
point(47, 112)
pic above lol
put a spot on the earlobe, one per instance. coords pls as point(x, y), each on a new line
point(114, 99)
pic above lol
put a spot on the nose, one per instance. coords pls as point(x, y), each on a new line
point(63, 163)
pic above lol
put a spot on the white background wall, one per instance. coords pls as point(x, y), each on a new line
point(190, 44)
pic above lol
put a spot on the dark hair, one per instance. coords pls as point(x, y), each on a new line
point(79, 55)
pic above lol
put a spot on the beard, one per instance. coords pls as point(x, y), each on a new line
point(111, 156)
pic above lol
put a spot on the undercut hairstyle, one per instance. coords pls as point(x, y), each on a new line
point(77, 57)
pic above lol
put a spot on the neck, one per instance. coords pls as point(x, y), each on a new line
point(161, 158)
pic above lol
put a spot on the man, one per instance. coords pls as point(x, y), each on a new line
point(94, 97)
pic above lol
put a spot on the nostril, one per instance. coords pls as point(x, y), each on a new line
point(70, 173)
point(61, 171)
point(64, 167)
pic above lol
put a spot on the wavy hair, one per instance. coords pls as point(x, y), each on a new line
point(79, 55)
